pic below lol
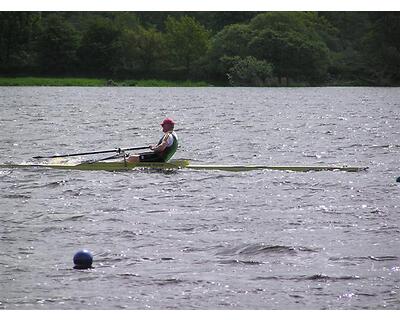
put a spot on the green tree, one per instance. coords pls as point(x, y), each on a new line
point(345, 40)
point(293, 55)
point(100, 50)
point(342, 47)
point(143, 50)
point(217, 20)
point(187, 41)
point(347, 27)
point(249, 71)
point(57, 46)
point(292, 44)
point(291, 41)
point(17, 35)
point(382, 48)
point(230, 42)
point(126, 21)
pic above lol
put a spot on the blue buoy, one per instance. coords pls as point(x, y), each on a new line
point(83, 259)
point(398, 179)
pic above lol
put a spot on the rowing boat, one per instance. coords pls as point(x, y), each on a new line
point(103, 165)
point(178, 164)
point(281, 168)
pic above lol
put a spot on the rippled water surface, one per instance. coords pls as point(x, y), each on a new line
point(203, 239)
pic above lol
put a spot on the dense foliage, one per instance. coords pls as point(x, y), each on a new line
point(236, 48)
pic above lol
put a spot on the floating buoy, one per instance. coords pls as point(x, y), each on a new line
point(83, 259)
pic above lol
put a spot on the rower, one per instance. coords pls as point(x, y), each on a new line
point(163, 150)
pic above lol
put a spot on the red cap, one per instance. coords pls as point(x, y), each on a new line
point(167, 121)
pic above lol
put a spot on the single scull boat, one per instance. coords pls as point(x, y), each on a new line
point(179, 164)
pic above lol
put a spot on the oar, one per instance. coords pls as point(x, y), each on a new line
point(116, 156)
point(118, 150)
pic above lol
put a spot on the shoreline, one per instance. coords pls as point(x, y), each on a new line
point(93, 82)
point(99, 82)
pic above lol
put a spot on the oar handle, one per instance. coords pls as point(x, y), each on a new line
point(118, 150)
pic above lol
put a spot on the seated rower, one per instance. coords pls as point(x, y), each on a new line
point(164, 150)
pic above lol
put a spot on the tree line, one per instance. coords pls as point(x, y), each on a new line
point(225, 48)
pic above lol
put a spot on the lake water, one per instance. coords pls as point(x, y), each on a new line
point(203, 239)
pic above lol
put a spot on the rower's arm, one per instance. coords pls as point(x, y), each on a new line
point(161, 147)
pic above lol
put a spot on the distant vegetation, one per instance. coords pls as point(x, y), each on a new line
point(93, 82)
point(196, 48)
point(40, 81)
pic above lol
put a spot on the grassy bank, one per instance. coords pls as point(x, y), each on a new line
point(93, 82)
point(34, 81)
point(87, 82)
